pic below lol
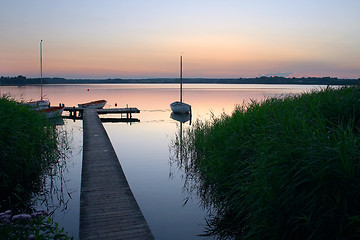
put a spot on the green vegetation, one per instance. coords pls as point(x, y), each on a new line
point(285, 168)
point(30, 226)
point(29, 151)
point(28, 146)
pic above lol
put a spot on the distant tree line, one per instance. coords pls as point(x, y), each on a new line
point(22, 80)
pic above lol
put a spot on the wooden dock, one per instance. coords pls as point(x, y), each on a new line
point(77, 112)
point(108, 209)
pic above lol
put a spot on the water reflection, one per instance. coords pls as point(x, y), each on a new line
point(115, 120)
point(183, 157)
point(54, 194)
point(61, 193)
point(181, 117)
point(58, 121)
point(47, 183)
point(107, 119)
point(143, 149)
point(180, 154)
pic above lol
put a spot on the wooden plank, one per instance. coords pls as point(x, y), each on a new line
point(118, 110)
point(105, 110)
point(116, 120)
point(108, 209)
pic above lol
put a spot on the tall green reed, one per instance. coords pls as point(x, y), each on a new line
point(283, 168)
point(28, 146)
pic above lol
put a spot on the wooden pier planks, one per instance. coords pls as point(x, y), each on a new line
point(108, 209)
point(104, 110)
point(118, 110)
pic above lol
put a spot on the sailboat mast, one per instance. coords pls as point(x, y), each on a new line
point(41, 97)
point(180, 79)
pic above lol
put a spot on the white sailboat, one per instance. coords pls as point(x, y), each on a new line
point(42, 105)
point(180, 106)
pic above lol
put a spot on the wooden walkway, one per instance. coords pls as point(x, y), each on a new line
point(108, 209)
point(78, 111)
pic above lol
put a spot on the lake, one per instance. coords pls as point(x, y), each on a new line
point(143, 148)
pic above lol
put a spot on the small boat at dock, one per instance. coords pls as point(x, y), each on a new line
point(37, 105)
point(52, 112)
point(42, 105)
point(93, 104)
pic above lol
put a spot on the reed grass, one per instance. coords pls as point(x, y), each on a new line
point(283, 168)
point(28, 146)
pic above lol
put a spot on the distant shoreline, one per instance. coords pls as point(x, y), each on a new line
point(22, 80)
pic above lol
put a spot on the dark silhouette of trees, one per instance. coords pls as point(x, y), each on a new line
point(22, 80)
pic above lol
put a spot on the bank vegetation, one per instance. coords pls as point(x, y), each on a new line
point(28, 147)
point(283, 168)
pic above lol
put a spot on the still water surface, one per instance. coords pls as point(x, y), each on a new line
point(144, 148)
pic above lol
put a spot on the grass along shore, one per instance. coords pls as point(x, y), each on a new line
point(28, 147)
point(283, 168)
point(30, 151)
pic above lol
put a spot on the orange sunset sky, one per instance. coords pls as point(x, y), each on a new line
point(144, 38)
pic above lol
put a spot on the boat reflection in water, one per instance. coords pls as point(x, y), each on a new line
point(181, 117)
point(180, 151)
point(183, 158)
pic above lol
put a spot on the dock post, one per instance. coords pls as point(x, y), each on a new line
point(127, 111)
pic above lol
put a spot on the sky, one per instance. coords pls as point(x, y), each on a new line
point(145, 38)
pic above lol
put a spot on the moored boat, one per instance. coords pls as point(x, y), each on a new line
point(93, 104)
point(180, 106)
point(52, 112)
point(42, 105)
point(37, 105)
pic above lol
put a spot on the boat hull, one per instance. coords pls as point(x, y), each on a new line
point(52, 112)
point(38, 105)
point(94, 104)
point(178, 107)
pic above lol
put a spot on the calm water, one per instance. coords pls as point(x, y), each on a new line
point(143, 148)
